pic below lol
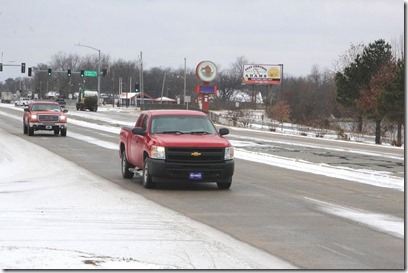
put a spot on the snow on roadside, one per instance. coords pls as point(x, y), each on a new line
point(375, 178)
point(56, 215)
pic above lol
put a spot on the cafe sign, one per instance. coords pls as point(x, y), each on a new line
point(260, 74)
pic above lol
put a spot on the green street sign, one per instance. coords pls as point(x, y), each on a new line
point(90, 73)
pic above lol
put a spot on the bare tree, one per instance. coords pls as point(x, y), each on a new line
point(280, 111)
point(398, 47)
point(230, 81)
point(348, 57)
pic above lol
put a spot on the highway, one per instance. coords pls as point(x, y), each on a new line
point(314, 221)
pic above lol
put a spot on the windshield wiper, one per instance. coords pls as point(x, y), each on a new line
point(172, 132)
point(199, 133)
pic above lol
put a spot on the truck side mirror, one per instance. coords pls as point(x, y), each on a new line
point(138, 131)
point(224, 131)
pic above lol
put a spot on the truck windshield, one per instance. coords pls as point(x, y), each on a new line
point(46, 107)
point(182, 125)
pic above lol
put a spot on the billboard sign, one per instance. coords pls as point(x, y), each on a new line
point(262, 74)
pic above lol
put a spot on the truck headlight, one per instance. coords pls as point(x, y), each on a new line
point(33, 117)
point(62, 118)
point(158, 152)
point(229, 153)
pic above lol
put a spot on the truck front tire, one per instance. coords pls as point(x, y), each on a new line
point(224, 184)
point(125, 167)
point(30, 130)
point(147, 178)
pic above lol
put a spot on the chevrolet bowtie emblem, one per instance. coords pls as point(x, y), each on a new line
point(195, 154)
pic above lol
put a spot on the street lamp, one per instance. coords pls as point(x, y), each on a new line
point(184, 88)
point(99, 66)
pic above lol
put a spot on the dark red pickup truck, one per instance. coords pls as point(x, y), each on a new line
point(168, 145)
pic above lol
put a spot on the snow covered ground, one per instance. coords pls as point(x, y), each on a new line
point(51, 220)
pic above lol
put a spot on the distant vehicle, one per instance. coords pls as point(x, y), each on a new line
point(176, 145)
point(6, 97)
point(61, 102)
point(46, 116)
point(87, 99)
point(22, 102)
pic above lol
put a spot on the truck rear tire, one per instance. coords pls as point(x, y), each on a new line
point(125, 167)
point(147, 178)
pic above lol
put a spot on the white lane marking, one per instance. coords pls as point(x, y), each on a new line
point(95, 141)
point(385, 223)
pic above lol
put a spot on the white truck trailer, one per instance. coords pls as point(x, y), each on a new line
point(6, 96)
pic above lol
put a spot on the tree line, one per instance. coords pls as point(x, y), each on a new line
point(365, 84)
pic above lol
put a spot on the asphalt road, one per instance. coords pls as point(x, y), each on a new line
point(275, 209)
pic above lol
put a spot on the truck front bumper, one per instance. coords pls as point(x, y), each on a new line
point(200, 172)
point(42, 126)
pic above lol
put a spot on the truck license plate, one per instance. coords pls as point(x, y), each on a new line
point(196, 175)
point(48, 127)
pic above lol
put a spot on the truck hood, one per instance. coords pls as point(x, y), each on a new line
point(48, 112)
point(187, 140)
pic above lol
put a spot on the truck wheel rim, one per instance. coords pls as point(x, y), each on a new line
point(145, 173)
point(123, 164)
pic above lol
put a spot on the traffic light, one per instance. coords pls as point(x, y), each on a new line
point(82, 73)
point(69, 72)
point(1, 67)
point(136, 87)
point(22, 67)
point(30, 71)
point(104, 72)
point(49, 71)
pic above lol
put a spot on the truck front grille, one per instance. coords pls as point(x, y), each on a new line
point(43, 118)
point(196, 155)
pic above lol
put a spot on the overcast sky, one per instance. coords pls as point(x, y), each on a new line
point(295, 33)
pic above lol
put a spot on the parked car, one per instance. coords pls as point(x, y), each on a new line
point(46, 116)
point(22, 102)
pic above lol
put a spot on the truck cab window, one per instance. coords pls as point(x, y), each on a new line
point(144, 123)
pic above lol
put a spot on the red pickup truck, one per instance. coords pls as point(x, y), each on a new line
point(168, 145)
point(45, 116)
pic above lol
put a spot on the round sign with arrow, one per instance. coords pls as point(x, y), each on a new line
point(206, 71)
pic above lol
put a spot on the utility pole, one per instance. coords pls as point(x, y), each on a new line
point(141, 81)
point(130, 88)
point(164, 79)
point(113, 90)
point(184, 89)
